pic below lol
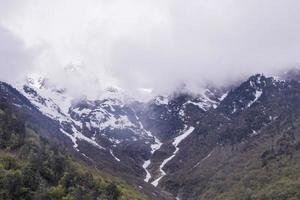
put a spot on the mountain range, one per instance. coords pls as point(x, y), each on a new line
point(235, 142)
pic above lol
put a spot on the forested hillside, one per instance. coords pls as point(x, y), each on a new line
point(33, 167)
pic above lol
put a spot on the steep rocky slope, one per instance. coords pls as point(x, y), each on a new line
point(232, 147)
point(35, 165)
point(118, 134)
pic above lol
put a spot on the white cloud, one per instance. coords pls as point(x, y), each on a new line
point(15, 59)
point(156, 44)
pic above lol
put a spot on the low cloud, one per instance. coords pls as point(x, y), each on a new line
point(15, 60)
point(143, 45)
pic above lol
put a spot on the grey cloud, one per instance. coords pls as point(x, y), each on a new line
point(214, 41)
point(160, 44)
point(15, 59)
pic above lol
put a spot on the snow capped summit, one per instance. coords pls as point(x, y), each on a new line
point(52, 101)
point(107, 123)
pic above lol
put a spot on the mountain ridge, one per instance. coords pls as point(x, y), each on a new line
point(168, 141)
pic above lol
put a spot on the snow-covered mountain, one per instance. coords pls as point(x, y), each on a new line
point(170, 142)
point(121, 130)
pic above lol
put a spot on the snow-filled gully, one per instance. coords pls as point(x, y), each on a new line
point(154, 147)
point(113, 155)
point(202, 160)
point(175, 143)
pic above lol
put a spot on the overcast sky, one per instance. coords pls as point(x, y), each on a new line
point(138, 45)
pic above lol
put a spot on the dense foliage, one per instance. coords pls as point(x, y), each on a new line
point(264, 168)
point(31, 167)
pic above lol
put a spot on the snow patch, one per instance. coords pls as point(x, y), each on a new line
point(234, 108)
point(175, 143)
point(101, 119)
point(145, 166)
point(113, 155)
point(223, 96)
point(202, 105)
point(257, 95)
point(161, 100)
point(154, 147)
point(205, 158)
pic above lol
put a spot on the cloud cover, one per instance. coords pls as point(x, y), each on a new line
point(157, 44)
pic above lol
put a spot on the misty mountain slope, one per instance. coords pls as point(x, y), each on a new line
point(99, 159)
point(84, 120)
point(225, 142)
point(158, 100)
point(21, 104)
point(165, 116)
point(34, 167)
point(189, 146)
point(171, 119)
point(108, 131)
point(105, 133)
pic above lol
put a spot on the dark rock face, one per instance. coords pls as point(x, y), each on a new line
point(10, 94)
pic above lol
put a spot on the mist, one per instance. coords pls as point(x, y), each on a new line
point(15, 59)
point(147, 47)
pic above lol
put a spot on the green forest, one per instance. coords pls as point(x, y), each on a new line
point(34, 168)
